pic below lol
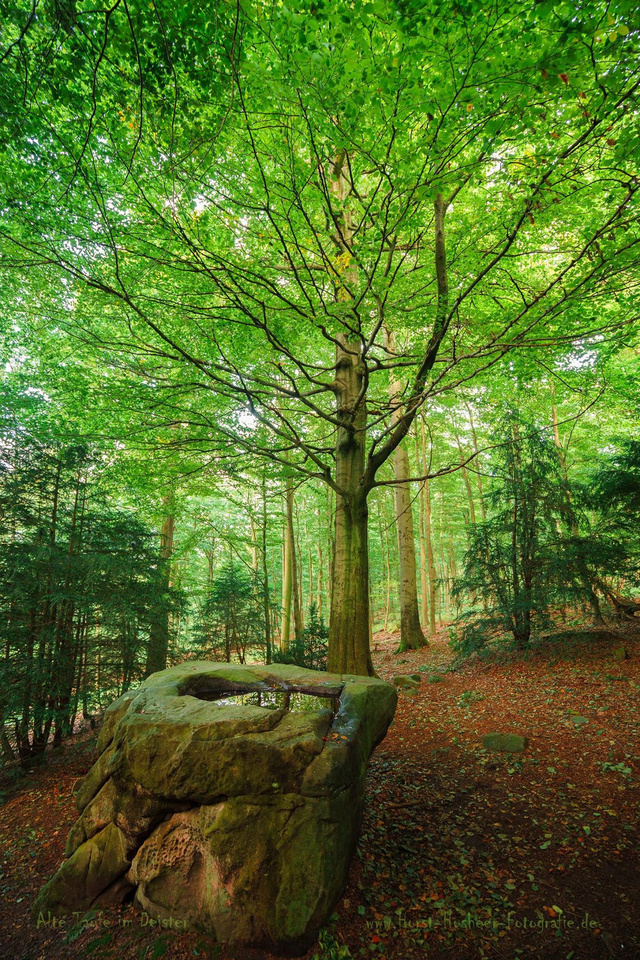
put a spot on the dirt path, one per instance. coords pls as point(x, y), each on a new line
point(463, 854)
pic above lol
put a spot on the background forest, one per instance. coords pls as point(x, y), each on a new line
point(314, 323)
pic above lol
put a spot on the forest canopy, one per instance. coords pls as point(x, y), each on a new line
point(316, 321)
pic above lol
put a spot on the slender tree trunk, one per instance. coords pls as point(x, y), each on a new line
point(5, 744)
point(265, 574)
point(319, 588)
point(210, 554)
point(276, 578)
point(310, 565)
point(453, 573)
point(411, 635)
point(298, 618)
point(428, 536)
point(38, 671)
point(158, 648)
point(370, 617)
point(287, 583)
point(253, 546)
point(85, 679)
point(68, 643)
point(331, 533)
point(572, 523)
point(472, 506)
point(476, 449)
point(389, 609)
point(384, 546)
point(444, 579)
point(424, 595)
point(467, 483)
point(291, 582)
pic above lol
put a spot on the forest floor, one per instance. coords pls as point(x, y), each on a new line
point(463, 854)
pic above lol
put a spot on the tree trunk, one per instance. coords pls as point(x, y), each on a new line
point(265, 573)
point(331, 534)
point(428, 537)
point(453, 574)
point(424, 589)
point(253, 546)
point(298, 619)
point(411, 635)
point(290, 588)
point(285, 630)
point(476, 449)
point(349, 648)
point(572, 523)
point(349, 627)
point(384, 546)
point(210, 554)
point(319, 594)
point(158, 648)
point(467, 484)
point(310, 565)
point(444, 580)
point(349, 624)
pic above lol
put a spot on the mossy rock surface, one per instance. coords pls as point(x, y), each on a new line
point(505, 742)
point(239, 820)
point(407, 682)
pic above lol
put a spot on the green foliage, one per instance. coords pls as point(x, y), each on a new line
point(511, 564)
point(80, 586)
point(470, 697)
point(309, 650)
point(231, 619)
point(177, 274)
point(615, 487)
point(330, 947)
point(620, 767)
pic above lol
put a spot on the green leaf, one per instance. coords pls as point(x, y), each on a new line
point(160, 947)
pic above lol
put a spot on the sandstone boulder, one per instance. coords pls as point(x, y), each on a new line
point(237, 818)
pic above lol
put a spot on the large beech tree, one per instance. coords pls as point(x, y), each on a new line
point(233, 204)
